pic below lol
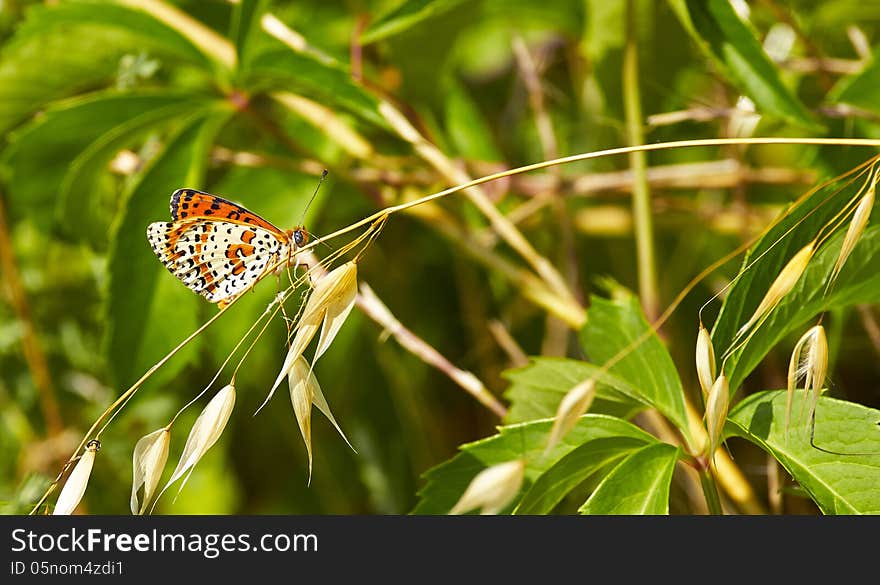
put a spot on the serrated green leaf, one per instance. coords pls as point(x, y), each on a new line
point(591, 457)
point(840, 483)
point(536, 390)
point(859, 282)
point(613, 326)
point(84, 42)
point(856, 283)
point(446, 482)
point(408, 13)
point(733, 47)
point(134, 271)
point(638, 485)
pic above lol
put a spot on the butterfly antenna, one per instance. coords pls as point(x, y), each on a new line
point(309, 204)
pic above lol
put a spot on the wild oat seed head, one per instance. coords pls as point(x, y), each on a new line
point(301, 395)
point(705, 361)
point(305, 392)
point(327, 307)
point(809, 361)
point(148, 462)
point(492, 489)
point(856, 227)
point(204, 433)
point(77, 481)
point(572, 406)
point(716, 412)
point(818, 367)
point(787, 279)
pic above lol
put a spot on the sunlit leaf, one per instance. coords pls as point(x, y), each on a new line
point(405, 15)
point(843, 481)
point(638, 485)
point(134, 272)
point(615, 325)
point(448, 481)
point(733, 47)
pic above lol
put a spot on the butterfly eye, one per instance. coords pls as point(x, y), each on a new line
point(300, 238)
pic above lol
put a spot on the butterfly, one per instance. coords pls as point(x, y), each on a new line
point(218, 248)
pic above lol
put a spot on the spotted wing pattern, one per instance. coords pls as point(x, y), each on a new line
point(218, 254)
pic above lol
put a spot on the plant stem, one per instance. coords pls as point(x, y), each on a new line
point(33, 351)
point(641, 194)
point(122, 399)
point(713, 502)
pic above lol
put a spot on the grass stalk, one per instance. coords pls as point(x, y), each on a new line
point(641, 194)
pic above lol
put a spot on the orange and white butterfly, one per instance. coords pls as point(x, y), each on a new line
point(218, 248)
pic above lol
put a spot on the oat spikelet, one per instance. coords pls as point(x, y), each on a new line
point(705, 361)
point(148, 461)
point(327, 308)
point(492, 489)
point(77, 481)
point(809, 360)
point(788, 277)
point(817, 368)
point(305, 392)
point(716, 412)
point(854, 232)
point(572, 406)
point(204, 433)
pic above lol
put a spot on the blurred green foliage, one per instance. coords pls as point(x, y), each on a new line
point(107, 107)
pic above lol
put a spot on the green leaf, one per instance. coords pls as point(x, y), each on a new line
point(603, 31)
point(638, 485)
point(466, 126)
point(245, 21)
point(536, 390)
point(321, 78)
point(861, 90)
point(767, 258)
point(83, 41)
point(733, 47)
point(840, 483)
point(78, 210)
point(408, 13)
point(571, 470)
point(447, 482)
point(41, 153)
point(133, 308)
point(614, 325)
point(859, 282)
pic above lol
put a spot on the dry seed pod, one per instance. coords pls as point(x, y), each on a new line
point(148, 461)
point(492, 489)
point(716, 412)
point(305, 392)
point(572, 406)
point(204, 433)
point(809, 360)
point(854, 232)
point(327, 307)
point(705, 361)
point(77, 481)
point(818, 367)
point(788, 277)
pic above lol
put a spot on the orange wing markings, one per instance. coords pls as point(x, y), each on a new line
point(190, 203)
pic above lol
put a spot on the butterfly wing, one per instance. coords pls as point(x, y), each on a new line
point(216, 248)
point(189, 203)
